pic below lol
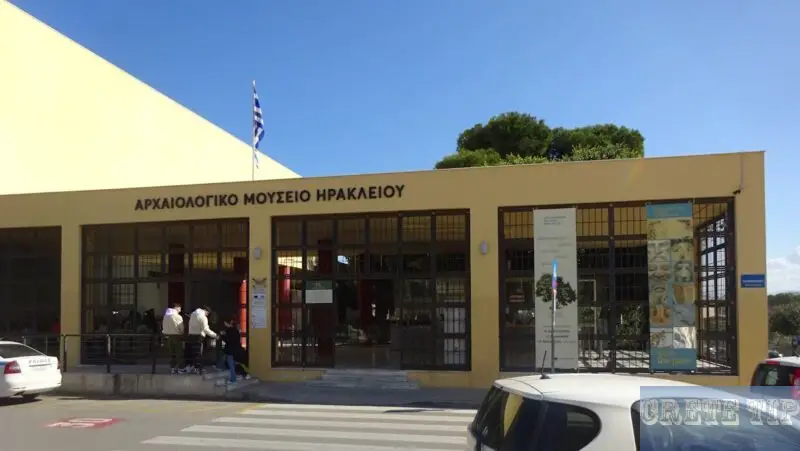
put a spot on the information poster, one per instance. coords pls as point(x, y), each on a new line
point(672, 288)
point(555, 240)
point(319, 292)
point(258, 308)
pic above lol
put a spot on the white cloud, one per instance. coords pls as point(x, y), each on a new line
point(783, 273)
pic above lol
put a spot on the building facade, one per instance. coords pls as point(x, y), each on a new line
point(96, 120)
point(444, 274)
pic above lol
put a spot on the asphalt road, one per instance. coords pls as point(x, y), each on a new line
point(26, 426)
point(78, 424)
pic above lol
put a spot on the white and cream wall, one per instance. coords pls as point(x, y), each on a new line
point(70, 120)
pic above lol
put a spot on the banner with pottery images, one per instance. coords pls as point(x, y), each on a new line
point(671, 280)
point(555, 239)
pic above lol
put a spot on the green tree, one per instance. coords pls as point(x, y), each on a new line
point(544, 289)
point(471, 158)
point(519, 138)
point(785, 319)
point(790, 297)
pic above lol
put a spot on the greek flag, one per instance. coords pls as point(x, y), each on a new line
point(258, 124)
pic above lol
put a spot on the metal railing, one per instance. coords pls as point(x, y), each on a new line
point(136, 353)
point(128, 350)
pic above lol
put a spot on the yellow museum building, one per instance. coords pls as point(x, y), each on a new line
point(420, 271)
point(445, 275)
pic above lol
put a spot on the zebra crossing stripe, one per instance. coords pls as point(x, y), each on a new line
point(362, 426)
point(383, 409)
point(354, 434)
point(425, 417)
point(271, 445)
point(287, 427)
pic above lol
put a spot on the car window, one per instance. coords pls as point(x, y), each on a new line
point(13, 351)
point(506, 421)
point(744, 435)
point(567, 427)
point(771, 376)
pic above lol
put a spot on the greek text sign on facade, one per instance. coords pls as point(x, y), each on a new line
point(372, 192)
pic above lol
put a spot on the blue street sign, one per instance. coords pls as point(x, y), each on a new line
point(754, 281)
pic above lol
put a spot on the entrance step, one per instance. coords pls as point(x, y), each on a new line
point(367, 379)
point(220, 379)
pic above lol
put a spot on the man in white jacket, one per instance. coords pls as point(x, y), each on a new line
point(172, 328)
point(198, 332)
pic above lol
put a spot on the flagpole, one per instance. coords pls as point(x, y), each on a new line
point(253, 140)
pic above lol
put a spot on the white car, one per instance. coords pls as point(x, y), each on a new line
point(593, 412)
point(777, 372)
point(26, 371)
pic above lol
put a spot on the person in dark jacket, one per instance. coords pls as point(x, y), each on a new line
point(233, 351)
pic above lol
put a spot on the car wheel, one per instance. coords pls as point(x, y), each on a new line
point(29, 397)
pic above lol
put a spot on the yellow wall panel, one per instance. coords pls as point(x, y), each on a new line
point(71, 120)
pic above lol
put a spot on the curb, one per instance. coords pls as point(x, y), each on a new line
point(244, 396)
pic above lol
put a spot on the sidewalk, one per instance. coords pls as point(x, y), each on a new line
point(299, 393)
point(137, 382)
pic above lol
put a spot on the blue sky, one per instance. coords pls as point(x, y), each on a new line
point(353, 86)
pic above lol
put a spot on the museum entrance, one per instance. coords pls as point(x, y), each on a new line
point(383, 291)
point(366, 320)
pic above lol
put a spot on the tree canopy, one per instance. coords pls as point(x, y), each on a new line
point(520, 138)
point(789, 297)
point(784, 313)
point(785, 319)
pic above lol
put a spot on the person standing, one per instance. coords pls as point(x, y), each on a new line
point(198, 332)
point(234, 353)
point(172, 328)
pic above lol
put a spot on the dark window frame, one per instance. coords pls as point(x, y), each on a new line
point(32, 289)
point(396, 248)
point(617, 289)
point(105, 251)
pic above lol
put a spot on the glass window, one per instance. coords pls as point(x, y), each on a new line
point(288, 263)
point(319, 232)
point(771, 376)
point(518, 225)
point(235, 234)
point(519, 259)
point(352, 231)
point(416, 229)
point(383, 230)
point(13, 351)
point(205, 236)
point(567, 427)
point(451, 227)
point(452, 261)
point(150, 238)
point(506, 421)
